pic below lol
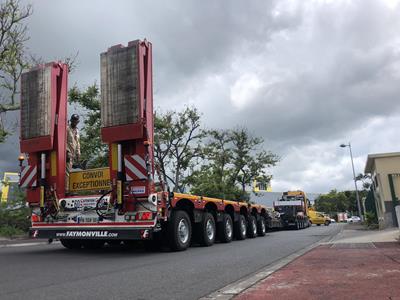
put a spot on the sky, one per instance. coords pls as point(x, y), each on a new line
point(306, 76)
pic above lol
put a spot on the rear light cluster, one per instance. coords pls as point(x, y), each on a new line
point(140, 216)
point(144, 216)
point(35, 218)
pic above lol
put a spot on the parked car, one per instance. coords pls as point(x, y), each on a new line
point(333, 221)
point(354, 219)
point(318, 218)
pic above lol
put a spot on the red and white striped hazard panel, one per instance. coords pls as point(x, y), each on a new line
point(28, 176)
point(135, 167)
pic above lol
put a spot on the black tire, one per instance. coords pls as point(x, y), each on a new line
point(240, 228)
point(179, 231)
point(297, 225)
point(318, 224)
point(93, 244)
point(206, 230)
point(251, 227)
point(327, 223)
point(225, 229)
point(261, 227)
point(71, 244)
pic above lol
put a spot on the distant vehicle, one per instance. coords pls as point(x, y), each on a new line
point(342, 217)
point(333, 221)
point(318, 218)
point(293, 210)
point(354, 219)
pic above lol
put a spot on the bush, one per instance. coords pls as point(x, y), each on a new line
point(14, 217)
point(10, 231)
point(371, 220)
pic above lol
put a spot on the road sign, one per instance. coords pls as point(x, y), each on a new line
point(93, 179)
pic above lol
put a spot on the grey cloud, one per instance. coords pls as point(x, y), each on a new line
point(324, 69)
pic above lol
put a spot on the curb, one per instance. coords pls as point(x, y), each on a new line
point(237, 287)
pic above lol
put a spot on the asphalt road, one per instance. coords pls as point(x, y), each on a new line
point(52, 272)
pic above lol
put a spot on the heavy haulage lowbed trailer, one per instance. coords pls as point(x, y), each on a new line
point(124, 204)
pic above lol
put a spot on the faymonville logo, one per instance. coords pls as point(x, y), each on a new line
point(87, 233)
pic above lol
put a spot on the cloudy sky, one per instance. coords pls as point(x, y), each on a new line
point(304, 75)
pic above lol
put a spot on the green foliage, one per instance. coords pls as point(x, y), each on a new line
point(249, 159)
point(335, 201)
point(94, 153)
point(222, 167)
point(3, 134)
point(13, 59)
point(370, 219)
point(232, 159)
point(14, 217)
point(209, 181)
point(177, 144)
point(10, 231)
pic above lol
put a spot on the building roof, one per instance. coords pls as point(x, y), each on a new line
point(371, 158)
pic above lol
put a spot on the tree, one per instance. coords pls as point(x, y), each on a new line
point(212, 179)
point(13, 61)
point(249, 161)
point(232, 160)
point(177, 143)
point(94, 153)
point(335, 201)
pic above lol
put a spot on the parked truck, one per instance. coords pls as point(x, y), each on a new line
point(293, 209)
point(123, 203)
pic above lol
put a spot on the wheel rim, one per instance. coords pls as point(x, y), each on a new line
point(228, 228)
point(263, 226)
point(210, 230)
point(243, 225)
point(254, 226)
point(183, 231)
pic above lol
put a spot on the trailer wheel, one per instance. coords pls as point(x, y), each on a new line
point(252, 227)
point(206, 230)
point(261, 228)
point(240, 228)
point(71, 244)
point(179, 230)
point(296, 225)
point(225, 229)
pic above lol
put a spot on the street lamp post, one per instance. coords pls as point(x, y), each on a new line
point(355, 181)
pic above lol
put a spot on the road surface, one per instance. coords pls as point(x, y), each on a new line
point(52, 272)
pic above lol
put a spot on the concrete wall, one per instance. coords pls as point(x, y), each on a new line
point(383, 167)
